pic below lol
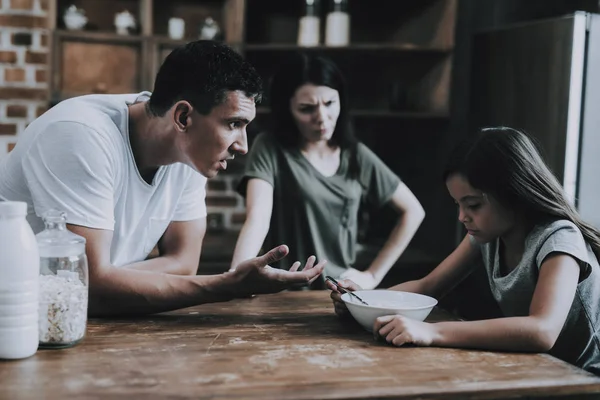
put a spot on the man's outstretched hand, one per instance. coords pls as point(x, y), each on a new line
point(255, 276)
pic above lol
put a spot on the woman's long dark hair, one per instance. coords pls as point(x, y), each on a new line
point(300, 69)
point(506, 164)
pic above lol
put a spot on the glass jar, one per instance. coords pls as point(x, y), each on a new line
point(63, 284)
point(19, 265)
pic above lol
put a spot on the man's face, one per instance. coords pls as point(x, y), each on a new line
point(217, 137)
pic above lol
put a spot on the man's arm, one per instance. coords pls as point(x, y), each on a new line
point(179, 248)
point(131, 291)
point(126, 291)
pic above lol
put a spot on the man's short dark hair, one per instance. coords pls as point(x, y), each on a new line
point(202, 72)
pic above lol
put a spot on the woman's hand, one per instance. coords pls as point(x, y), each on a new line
point(399, 330)
point(336, 295)
point(365, 279)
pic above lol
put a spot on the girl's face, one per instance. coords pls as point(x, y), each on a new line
point(315, 110)
point(484, 218)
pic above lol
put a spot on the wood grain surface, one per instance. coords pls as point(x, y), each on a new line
point(284, 346)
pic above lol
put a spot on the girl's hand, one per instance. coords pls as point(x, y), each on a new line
point(365, 279)
point(399, 330)
point(336, 296)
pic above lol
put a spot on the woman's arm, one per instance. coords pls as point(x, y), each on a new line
point(413, 214)
point(259, 206)
point(537, 332)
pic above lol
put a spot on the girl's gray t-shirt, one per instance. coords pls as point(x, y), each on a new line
point(579, 341)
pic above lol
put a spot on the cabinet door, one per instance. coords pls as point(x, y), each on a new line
point(529, 77)
point(83, 67)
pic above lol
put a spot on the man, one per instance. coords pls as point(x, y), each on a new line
point(130, 170)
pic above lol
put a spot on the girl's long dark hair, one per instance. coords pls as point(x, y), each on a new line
point(300, 69)
point(505, 163)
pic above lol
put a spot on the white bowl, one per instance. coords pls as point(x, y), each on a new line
point(387, 302)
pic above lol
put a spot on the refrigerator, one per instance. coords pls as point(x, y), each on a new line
point(543, 77)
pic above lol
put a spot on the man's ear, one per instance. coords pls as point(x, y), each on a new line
point(182, 114)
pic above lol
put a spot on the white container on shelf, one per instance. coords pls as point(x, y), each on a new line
point(309, 31)
point(176, 28)
point(337, 29)
point(337, 25)
point(19, 288)
point(309, 27)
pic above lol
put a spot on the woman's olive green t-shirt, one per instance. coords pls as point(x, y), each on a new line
point(314, 214)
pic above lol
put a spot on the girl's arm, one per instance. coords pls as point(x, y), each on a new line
point(412, 212)
point(537, 332)
point(444, 277)
point(447, 275)
point(259, 206)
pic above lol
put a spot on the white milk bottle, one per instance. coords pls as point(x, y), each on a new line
point(19, 290)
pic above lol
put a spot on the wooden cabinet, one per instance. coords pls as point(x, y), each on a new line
point(98, 60)
point(398, 66)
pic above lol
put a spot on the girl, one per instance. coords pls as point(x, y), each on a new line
point(541, 259)
point(304, 179)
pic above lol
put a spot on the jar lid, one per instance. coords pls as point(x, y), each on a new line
point(13, 208)
point(56, 240)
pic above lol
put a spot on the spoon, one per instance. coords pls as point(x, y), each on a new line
point(342, 290)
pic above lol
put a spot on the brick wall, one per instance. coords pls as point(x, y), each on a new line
point(226, 208)
point(226, 211)
point(23, 66)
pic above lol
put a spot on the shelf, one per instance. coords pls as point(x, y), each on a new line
point(97, 37)
point(100, 36)
point(398, 114)
point(358, 47)
point(165, 40)
point(382, 114)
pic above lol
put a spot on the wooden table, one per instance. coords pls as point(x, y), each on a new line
point(284, 346)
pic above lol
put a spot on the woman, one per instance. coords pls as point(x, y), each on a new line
point(304, 179)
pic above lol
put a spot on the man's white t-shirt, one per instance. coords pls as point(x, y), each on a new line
point(77, 158)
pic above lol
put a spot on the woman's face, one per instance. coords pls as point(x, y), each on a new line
point(315, 110)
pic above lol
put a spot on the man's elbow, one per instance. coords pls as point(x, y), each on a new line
point(543, 343)
point(189, 269)
point(543, 338)
point(97, 297)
